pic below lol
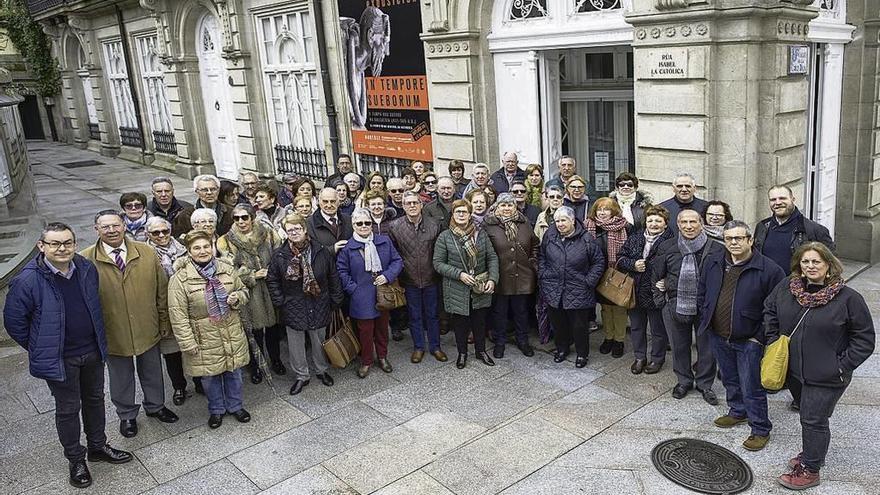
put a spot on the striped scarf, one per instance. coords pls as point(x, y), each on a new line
point(467, 240)
point(615, 228)
point(215, 293)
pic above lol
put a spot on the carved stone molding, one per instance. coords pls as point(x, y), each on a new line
point(786, 29)
point(448, 48)
point(439, 16)
point(676, 4)
point(673, 31)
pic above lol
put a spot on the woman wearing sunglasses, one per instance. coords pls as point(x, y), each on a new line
point(368, 260)
point(248, 246)
point(429, 187)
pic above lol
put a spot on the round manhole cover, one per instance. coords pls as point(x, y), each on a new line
point(702, 466)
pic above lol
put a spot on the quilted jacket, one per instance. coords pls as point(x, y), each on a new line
point(569, 268)
point(457, 297)
point(300, 311)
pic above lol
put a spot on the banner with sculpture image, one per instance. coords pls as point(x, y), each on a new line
point(385, 78)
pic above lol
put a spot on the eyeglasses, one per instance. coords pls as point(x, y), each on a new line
point(396, 191)
point(738, 239)
point(363, 224)
point(411, 203)
point(295, 230)
point(160, 232)
point(202, 222)
point(133, 206)
point(208, 190)
point(55, 245)
point(715, 215)
point(576, 188)
point(626, 184)
point(241, 217)
point(554, 196)
point(518, 191)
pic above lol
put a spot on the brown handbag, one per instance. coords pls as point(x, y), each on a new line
point(341, 346)
point(618, 288)
point(390, 296)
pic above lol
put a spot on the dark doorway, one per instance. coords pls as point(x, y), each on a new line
point(30, 118)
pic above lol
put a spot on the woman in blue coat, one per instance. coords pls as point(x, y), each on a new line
point(368, 260)
point(569, 267)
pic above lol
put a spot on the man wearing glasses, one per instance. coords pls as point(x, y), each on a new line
point(133, 290)
point(207, 187)
point(531, 212)
point(509, 172)
point(249, 183)
point(732, 289)
point(54, 312)
point(683, 188)
point(396, 187)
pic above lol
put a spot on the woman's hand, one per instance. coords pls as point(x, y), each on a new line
point(661, 285)
point(467, 279)
point(232, 299)
point(490, 286)
point(380, 280)
point(640, 265)
point(259, 274)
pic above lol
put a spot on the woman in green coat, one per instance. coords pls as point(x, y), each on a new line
point(466, 260)
point(205, 295)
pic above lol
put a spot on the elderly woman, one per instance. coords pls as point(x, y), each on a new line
point(204, 296)
point(632, 202)
point(375, 182)
point(576, 197)
point(832, 334)
point(479, 202)
point(135, 215)
point(517, 248)
point(410, 179)
point(368, 260)
point(353, 181)
point(379, 212)
point(570, 265)
point(303, 186)
point(169, 250)
point(204, 220)
point(636, 258)
point(268, 213)
point(302, 205)
point(610, 228)
point(535, 185)
point(465, 258)
point(555, 198)
point(346, 204)
point(249, 246)
point(303, 283)
point(716, 215)
point(429, 187)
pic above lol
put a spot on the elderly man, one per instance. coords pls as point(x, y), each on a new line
point(481, 178)
point(207, 187)
point(440, 210)
point(53, 311)
point(396, 188)
point(683, 188)
point(327, 226)
point(133, 289)
point(779, 235)
point(164, 204)
point(286, 192)
point(733, 286)
point(567, 169)
point(509, 172)
point(415, 235)
point(249, 183)
point(344, 166)
point(675, 276)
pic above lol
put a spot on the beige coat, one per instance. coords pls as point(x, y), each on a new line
point(134, 303)
point(221, 345)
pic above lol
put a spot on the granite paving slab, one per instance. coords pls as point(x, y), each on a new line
point(402, 450)
point(111, 479)
point(667, 413)
point(416, 482)
point(497, 401)
point(587, 411)
point(554, 480)
point(317, 400)
point(562, 376)
point(871, 367)
point(315, 481)
point(640, 388)
point(218, 478)
point(32, 467)
point(862, 391)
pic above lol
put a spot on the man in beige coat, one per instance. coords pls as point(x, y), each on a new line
point(134, 297)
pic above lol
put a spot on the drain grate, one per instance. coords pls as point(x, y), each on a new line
point(702, 466)
point(80, 164)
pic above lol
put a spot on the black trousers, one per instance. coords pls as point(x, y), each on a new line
point(571, 325)
point(81, 392)
point(174, 367)
point(272, 337)
point(463, 325)
point(516, 304)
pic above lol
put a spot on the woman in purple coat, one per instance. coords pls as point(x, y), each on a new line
point(367, 261)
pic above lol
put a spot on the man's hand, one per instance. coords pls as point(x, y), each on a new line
point(261, 273)
point(640, 265)
point(339, 245)
point(661, 285)
point(232, 299)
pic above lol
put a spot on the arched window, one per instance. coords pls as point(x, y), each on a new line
point(583, 6)
point(527, 9)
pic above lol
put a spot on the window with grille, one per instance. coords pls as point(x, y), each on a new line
point(120, 93)
point(158, 109)
point(293, 98)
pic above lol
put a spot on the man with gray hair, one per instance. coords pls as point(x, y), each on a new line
point(509, 172)
point(249, 184)
point(684, 186)
point(731, 293)
point(481, 179)
point(441, 208)
point(164, 204)
point(396, 187)
point(207, 187)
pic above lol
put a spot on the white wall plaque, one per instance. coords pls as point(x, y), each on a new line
point(665, 63)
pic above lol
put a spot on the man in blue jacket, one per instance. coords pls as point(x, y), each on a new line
point(53, 311)
point(732, 289)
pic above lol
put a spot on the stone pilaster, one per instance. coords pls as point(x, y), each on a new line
point(188, 116)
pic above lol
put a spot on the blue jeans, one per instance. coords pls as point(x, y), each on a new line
point(422, 304)
point(740, 365)
point(223, 392)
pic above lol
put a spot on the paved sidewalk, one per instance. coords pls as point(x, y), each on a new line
point(526, 426)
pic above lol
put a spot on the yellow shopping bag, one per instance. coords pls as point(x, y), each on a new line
point(774, 364)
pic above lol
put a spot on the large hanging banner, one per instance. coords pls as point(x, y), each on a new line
point(385, 78)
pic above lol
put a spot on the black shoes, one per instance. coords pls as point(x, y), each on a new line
point(653, 367)
point(215, 421)
point(397, 335)
point(278, 368)
point(298, 386)
point(109, 454)
point(326, 379)
point(526, 349)
point(385, 366)
point(461, 362)
point(709, 396)
point(484, 357)
point(617, 349)
point(256, 375)
point(580, 362)
point(679, 391)
point(128, 427)
point(559, 356)
point(164, 415)
point(638, 366)
point(242, 416)
point(179, 397)
point(498, 352)
point(80, 477)
point(606, 346)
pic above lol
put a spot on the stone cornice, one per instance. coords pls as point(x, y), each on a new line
point(705, 13)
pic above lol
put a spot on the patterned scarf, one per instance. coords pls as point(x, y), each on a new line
point(300, 266)
point(799, 290)
point(714, 231)
point(533, 193)
point(510, 226)
point(215, 293)
point(372, 262)
point(650, 239)
point(626, 203)
point(133, 227)
point(690, 274)
point(168, 254)
point(467, 239)
point(615, 227)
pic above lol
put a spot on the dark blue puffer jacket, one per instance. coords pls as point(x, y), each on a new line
point(626, 261)
point(34, 315)
point(570, 268)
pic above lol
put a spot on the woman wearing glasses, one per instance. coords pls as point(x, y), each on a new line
point(204, 220)
point(368, 260)
point(717, 214)
point(249, 246)
point(576, 197)
point(429, 187)
point(632, 202)
point(302, 205)
point(135, 215)
point(305, 286)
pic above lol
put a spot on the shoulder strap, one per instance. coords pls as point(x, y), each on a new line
point(799, 323)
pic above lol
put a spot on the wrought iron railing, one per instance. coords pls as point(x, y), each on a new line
point(164, 141)
point(130, 136)
point(305, 162)
point(387, 166)
point(35, 6)
point(94, 132)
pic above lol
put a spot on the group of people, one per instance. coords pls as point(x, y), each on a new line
point(216, 285)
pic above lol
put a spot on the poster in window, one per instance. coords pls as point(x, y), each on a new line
point(600, 161)
point(385, 78)
point(603, 182)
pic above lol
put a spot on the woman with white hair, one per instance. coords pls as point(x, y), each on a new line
point(365, 262)
point(569, 268)
point(205, 220)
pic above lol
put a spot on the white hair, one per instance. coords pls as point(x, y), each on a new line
point(205, 178)
point(481, 165)
point(153, 220)
point(564, 211)
point(203, 214)
point(360, 213)
point(351, 175)
point(680, 175)
point(396, 181)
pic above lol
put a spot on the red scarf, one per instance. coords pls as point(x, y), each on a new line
point(807, 300)
point(615, 227)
